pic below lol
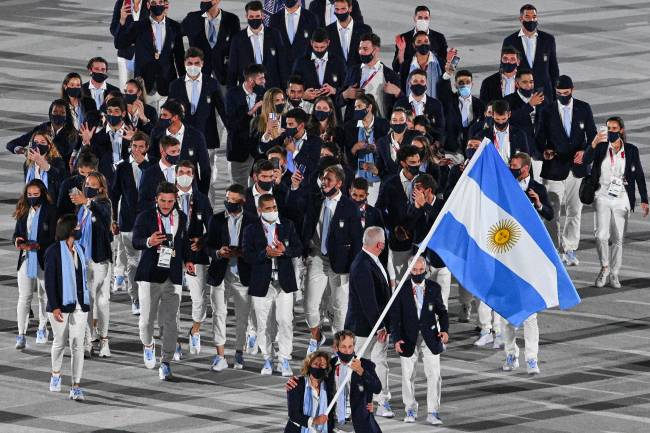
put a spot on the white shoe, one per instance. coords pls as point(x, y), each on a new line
point(195, 343)
point(410, 416)
point(532, 367)
point(285, 368)
point(613, 282)
point(149, 357)
point(485, 339)
point(267, 369)
point(76, 393)
point(178, 353)
point(239, 361)
point(498, 342)
point(219, 363)
point(251, 345)
point(512, 363)
point(602, 277)
point(434, 419)
point(571, 259)
point(55, 383)
point(384, 410)
point(42, 336)
point(104, 351)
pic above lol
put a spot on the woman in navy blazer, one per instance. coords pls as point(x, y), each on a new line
point(43, 161)
point(67, 301)
point(94, 215)
point(35, 223)
point(306, 403)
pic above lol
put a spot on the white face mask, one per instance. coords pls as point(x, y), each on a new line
point(422, 25)
point(193, 71)
point(270, 217)
point(184, 181)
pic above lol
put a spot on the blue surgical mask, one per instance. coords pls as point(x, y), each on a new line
point(465, 91)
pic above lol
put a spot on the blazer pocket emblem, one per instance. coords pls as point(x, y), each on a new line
point(286, 243)
point(582, 125)
point(199, 216)
point(93, 219)
point(633, 169)
point(191, 152)
point(306, 34)
point(227, 39)
point(273, 51)
point(545, 57)
point(341, 223)
point(225, 59)
point(46, 226)
point(208, 100)
point(430, 307)
point(335, 78)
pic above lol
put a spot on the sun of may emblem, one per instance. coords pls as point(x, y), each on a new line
point(503, 236)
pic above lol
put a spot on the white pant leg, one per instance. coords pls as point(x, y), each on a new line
point(71, 331)
point(242, 307)
point(198, 290)
point(497, 323)
point(531, 337)
point(263, 307)
point(26, 288)
point(338, 305)
point(378, 355)
point(442, 276)
point(240, 171)
point(100, 293)
point(42, 300)
point(400, 263)
point(149, 295)
point(284, 319)
point(484, 317)
point(409, 374)
point(537, 168)
point(219, 313)
point(510, 338)
point(132, 260)
point(602, 225)
point(300, 270)
point(434, 379)
point(119, 265)
point(555, 190)
point(571, 232)
point(123, 72)
point(215, 194)
point(373, 193)
point(620, 215)
point(60, 341)
point(315, 286)
point(170, 298)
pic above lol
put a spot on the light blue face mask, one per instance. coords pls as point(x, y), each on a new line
point(465, 91)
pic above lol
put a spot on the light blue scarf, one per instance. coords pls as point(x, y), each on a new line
point(86, 231)
point(32, 257)
point(69, 275)
point(31, 175)
point(307, 406)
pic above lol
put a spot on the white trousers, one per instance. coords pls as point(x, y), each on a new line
point(71, 331)
point(610, 223)
point(431, 365)
point(320, 277)
point(119, 254)
point(275, 310)
point(99, 278)
point(216, 192)
point(26, 288)
point(198, 292)
point(240, 172)
point(488, 319)
point(219, 295)
point(564, 193)
point(132, 260)
point(161, 299)
point(442, 276)
point(379, 355)
point(531, 338)
point(123, 72)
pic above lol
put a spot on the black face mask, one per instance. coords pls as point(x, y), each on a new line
point(164, 123)
point(317, 373)
point(501, 125)
point(113, 120)
point(290, 3)
point(173, 159)
point(319, 54)
point(76, 234)
point(233, 208)
point(413, 169)
point(58, 119)
point(34, 201)
point(469, 152)
point(321, 115)
point(291, 132)
point(331, 192)
point(73, 92)
point(365, 58)
point(417, 279)
point(130, 98)
point(157, 10)
point(295, 103)
point(530, 25)
point(564, 99)
point(279, 108)
point(42, 148)
point(90, 192)
point(613, 136)
point(345, 357)
point(360, 114)
point(265, 186)
point(508, 67)
point(526, 93)
point(360, 203)
point(423, 49)
point(418, 89)
point(342, 17)
point(255, 23)
point(398, 128)
point(259, 90)
point(205, 6)
point(99, 77)
point(516, 172)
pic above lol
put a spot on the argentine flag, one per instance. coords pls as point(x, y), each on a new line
point(495, 244)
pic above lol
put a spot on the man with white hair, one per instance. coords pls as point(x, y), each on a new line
point(369, 295)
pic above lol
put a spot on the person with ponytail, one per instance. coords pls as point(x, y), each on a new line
point(35, 224)
point(44, 162)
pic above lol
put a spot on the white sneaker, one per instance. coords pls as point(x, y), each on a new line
point(104, 351)
point(267, 369)
point(532, 367)
point(434, 419)
point(285, 368)
point(384, 410)
point(571, 259)
point(613, 282)
point(55, 383)
point(239, 361)
point(512, 363)
point(178, 353)
point(195, 343)
point(410, 416)
point(42, 336)
point(485, 339)
point(76, 393)
point(135, 307)
point(498, 341)
point(602, 277)
point(149, 357)
point(251, 345)
point(219, 363)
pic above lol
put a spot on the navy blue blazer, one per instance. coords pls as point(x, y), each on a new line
point(420, 221)
point(254, 246)
point(335, 71)
point(193, 148)
point(369, 295)
point(546, 211)
point(216, 59)
point(44, 235)
point(433, 110)
point(150, 113)
point(54, 282)
point(456, 134)
point(156, 73)
point(199, 218)
point(63, 203)
point(491, 88)
point(518, 141)
point(281, 194)
point(151, 178)
point(125, 53)
point(101, 146)
point(302, 40)
point(125, 193)
point(385, 163)
point(358, 30)
point(545, 67)
point(65, 140)
point(309, 151)
point(85, 91)
point(317, 7)
point(273, 59)
point(295, 404)
point(210, 103)
point(526, 119)
point(405, 324)
point(344, 236)
point(381, 128)
point(55, 176)
point(218, 236)
point(437, 41)
point(241, 143)
point(354, 78)
point(633, 170)
point(361, 390)
point(146, 224)
point(552, 135)
point(393, 205)
point(102, 235)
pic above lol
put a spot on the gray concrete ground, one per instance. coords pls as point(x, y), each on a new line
point(594, 359)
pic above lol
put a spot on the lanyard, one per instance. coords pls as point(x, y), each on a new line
point(363, 85)
point(160, 224)
point(611, 156)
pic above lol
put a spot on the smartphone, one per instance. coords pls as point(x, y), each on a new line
point(273, 116)
point(302, 168)
point(454, 61)
point(539, 90)
point(170, 237)
point(74, 191)
point(276, 163)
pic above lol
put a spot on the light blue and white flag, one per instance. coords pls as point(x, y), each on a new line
point(495, 244)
